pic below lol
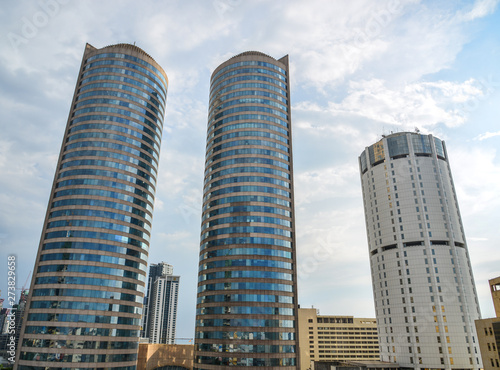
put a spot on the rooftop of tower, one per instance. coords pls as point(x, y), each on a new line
point(252, 53)
point(125, 46)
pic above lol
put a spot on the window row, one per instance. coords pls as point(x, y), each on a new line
point(99, 213)
point(74, 280)
point(248, 348)
point(95, 246)
point(262, 323)
point(246, 240)
point(245, 335)
point(246, 274)
point(94, 306)
point(99, 225)
point(247, 218)
point(247, 208)
point(246, 189)
point(264, 298)
point(247, 117)
point(245, 263)
point(106, 88)
point(245, 286)
point(87, 331)
point(70, 317)
point(129, 57)
point(247, 198)
point(85, 293)
point(92, 258)
point(247, 151)
point(102, 203)
point(92, 270)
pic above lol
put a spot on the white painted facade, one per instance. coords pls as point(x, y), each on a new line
point(424, 292)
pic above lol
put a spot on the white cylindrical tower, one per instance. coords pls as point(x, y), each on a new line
point(423, 287)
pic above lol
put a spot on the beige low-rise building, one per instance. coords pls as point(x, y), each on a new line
point(488, 331)
point(336, 338)
point(154, 356)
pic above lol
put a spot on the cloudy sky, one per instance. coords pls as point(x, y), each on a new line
point(359, 69)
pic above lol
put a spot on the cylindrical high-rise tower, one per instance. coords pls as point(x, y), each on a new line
point(423, 287)
point(247, 286)
point(87, 291)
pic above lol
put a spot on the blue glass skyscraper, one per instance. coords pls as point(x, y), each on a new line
point(86, 297)
point(247, 290)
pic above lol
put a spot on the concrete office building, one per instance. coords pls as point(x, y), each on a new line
point(247, 286)
point(488, 331)
point(425, 298)
point(325, 338)
point(160, 307)
point(87, 291)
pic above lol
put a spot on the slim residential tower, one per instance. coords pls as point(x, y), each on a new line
point(86, 296)
point(424, 292)
point(247, 290)
point(160, 307)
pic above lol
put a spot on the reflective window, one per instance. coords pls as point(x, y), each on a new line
point(245, 263)
point(237, 179)
point(247, 218)
point(238, 361)
point(101, 203)
point(88, 281)
point(131, 81)
point(91, 257)
point(247, 117)
point(245, 298)
point(78, 344)
point(245, 335)
point(122, 71)
point(156, 116)
point(253, 93)
point(250, 86)
point(239, 126)
point(247, 348)
point(95, 246)
point(113, 146)
point(250, 151)
point(106, 183)
point(95, 235)
point(103, 193)
point(234, 72)
point(104, 294)
point(266, 209)
point(247, 134)
point(246, 109)
point(104, 88)
point(246, 273)
point(246, 188)
point(59, 357)
point(129, 57)
point(246, 240)
point(263, 323)
point(112, 136)
point(97, 224)
point(92, 270)
point(246, 229)
point(247, 198)
point(75, 305)
point(67, 330)
point(158, 77)
point(229, 171)
point(99, 213)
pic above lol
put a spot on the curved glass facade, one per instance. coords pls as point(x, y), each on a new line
point(91, 264)
point(246, 305)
